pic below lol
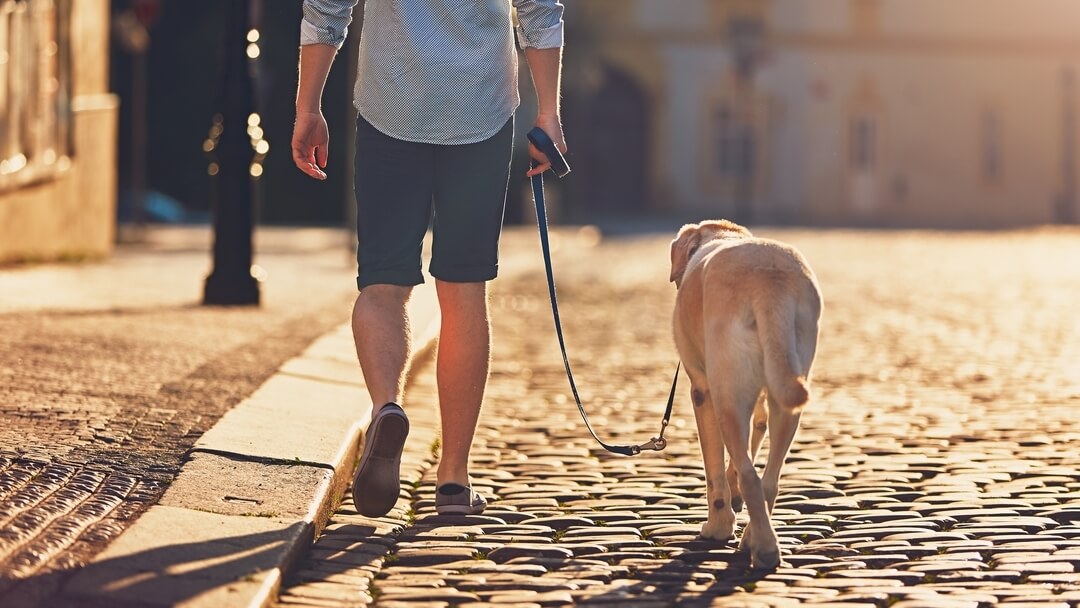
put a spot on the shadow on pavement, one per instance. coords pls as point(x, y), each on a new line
point(161, 576)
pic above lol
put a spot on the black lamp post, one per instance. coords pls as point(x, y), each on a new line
point(236, 161)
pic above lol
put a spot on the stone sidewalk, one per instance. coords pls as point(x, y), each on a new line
point(110, 371)
point(938, 466)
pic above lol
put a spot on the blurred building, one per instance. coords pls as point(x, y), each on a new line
point(57, 130)
point(958, 113)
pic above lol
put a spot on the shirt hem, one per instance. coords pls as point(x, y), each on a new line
point(441, 142)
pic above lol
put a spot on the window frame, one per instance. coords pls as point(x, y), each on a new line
point(863, 144)
point(35, 91)
point(991, 151)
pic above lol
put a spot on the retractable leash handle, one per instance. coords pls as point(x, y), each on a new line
point(560, 168)
point(544, 143)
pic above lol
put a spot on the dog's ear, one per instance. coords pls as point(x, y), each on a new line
point(682, 248)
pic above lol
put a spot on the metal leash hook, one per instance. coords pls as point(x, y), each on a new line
point(656, 444)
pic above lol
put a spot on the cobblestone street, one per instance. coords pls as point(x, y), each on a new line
point(938, 463)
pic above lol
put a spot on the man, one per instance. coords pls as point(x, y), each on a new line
point(436, 90)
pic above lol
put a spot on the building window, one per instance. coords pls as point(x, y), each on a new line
point(746, 34)
point(35, 108)
point(991, 147)
point(733, 144)
point(863, 144)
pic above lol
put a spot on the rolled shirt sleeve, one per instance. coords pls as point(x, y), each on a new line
point(326, 21)
point(540, 23)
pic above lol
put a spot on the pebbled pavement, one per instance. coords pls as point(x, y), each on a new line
point(938, 466)
point(109, 372)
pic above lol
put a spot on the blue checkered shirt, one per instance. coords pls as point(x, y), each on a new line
point(436, 71)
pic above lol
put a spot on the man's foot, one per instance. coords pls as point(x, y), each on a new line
point(456, 499)
point(377, 483)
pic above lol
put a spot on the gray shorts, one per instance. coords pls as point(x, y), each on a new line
point(403, 187)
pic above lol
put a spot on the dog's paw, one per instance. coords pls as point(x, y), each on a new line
point(767, 558)
point(736, 503)
point(715, 530)
point(764, 552)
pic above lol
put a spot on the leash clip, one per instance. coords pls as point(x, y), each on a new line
point(655, 444)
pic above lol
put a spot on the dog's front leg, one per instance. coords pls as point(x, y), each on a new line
point(721, 522)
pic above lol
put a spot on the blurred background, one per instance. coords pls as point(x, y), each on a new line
point(873, 113)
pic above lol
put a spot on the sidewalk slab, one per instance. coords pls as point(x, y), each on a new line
point(336, 346)
point(257, 487)
point(227, 486)
point(291, 419)
point(180, 557)
point(327, 370)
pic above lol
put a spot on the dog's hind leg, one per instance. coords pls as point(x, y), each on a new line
point(783, 424)
point(720, 524)
point(735, 406)
point(757, 434)
point(785, 421)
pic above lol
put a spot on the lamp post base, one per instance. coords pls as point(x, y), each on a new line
point(233, 289)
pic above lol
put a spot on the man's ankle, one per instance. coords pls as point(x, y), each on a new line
point(460, 479)
point(388, 404)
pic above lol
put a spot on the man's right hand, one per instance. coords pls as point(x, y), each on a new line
point(309, 143)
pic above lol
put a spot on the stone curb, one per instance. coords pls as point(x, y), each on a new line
point(257, 488)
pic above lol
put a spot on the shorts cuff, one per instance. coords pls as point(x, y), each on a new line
point(389, 276)
point(464, 274)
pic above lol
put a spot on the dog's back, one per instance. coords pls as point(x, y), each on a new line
point(760, 306)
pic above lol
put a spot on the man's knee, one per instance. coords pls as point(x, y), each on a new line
point(462, 302)
point(382, 294)
point(466, 292)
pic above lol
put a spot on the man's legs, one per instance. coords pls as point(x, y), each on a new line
point(462, 372)
point(383, 339)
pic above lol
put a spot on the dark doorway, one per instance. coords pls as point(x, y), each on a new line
point(611, 135)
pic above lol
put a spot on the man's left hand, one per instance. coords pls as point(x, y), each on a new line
point(553, 127)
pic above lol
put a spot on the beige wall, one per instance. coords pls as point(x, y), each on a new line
point(932, 89)
point(926, 71)
point(946, 19)
point(73, 214)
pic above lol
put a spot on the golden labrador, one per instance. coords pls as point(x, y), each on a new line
point(746, 327)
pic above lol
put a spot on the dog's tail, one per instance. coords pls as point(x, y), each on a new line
point(775, 317)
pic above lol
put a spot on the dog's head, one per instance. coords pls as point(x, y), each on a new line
point(692, 236)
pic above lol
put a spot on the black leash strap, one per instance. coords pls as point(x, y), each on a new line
point(560, 168)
